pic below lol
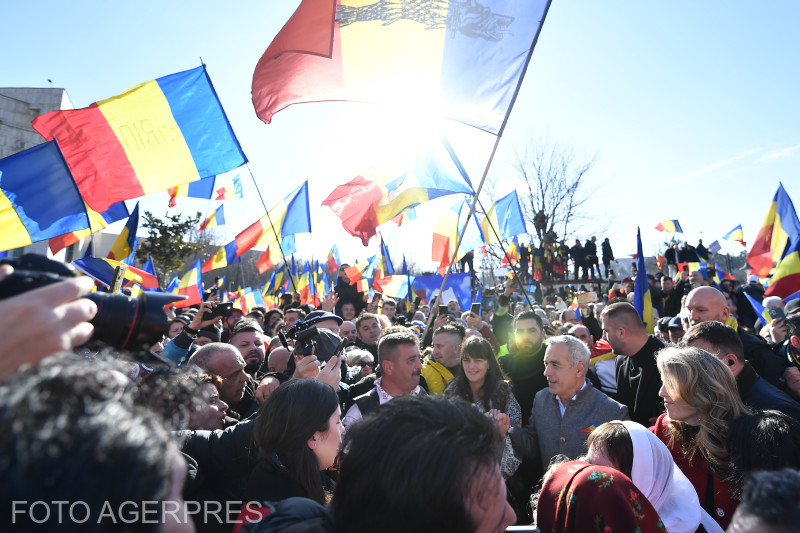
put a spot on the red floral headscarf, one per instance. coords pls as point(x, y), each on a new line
point(578, 497)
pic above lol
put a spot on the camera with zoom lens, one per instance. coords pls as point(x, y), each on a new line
point(309, 340)
point(121, 321)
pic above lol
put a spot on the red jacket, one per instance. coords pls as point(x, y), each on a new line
point(698, 473)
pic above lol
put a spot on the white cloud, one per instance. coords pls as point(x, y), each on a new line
point(711, 168)
point(778, 154)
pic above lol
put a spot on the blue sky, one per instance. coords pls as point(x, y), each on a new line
point(691, 106)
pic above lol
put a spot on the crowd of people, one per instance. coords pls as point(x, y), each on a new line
point(371, 414)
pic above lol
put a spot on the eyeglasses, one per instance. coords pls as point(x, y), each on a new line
point(362, 364)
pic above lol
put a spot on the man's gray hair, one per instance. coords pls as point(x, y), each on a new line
point(204, 355)
point(578, 352)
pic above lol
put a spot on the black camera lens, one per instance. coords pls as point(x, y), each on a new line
point(126, 322)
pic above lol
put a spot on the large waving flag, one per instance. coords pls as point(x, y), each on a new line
point(670, 226)
point(641, 293)
point(779, 229)
point(191, 286)
point(464, 58)
point(38, 197)
point(124, 248)
point(102, 270)
point(232, 189)
point(97, 221)
point(203, 189)
point(289, 217)
point(504, 220)
point(217, 218)
point(157, 135)
point(786, 279)
point(384, 191)
point(446, 231)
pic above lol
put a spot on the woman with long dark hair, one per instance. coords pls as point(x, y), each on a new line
point(298, 432)
point(482, 382)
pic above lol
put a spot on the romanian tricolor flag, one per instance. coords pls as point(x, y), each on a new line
point(274, 253)
point(759, 309)
point(124, 248)
point(232, 189)
point(102, 270)
point(217, 218)
point(191, 286)
point(511, 257)
point(786, 279)
point(333, 260)
point(384, 191)
point(641, 292)
point(720, 275)
point(779, 229)
point(172, 286)
point(736, 234)
point(38, 197)
point(288, 217)
point(394, 285)
point(462, 58)
point(97, 221)
point(446, 232)
point(202, 189)
point(223, 257)
point(157, 135)
point(250, 299)
point(670, 226)
point(355, 272)
point(504, 220)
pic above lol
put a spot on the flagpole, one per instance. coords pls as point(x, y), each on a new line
point(464, 229)
point(280, 249)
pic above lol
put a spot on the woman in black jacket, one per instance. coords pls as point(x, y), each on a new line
point(298, 433)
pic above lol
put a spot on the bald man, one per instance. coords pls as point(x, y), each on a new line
point(638, 379)
point(707, 303)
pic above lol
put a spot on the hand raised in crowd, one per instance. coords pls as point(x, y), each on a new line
point(440, 321)
point(266, 387)
point(777, 330)
point(330, 301)
point(206, 307)
point(331, 373)
point(307, 367)
point(509, 290)
point(474, 321)
point(44, 321)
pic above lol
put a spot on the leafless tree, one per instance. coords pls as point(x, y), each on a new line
point(553, 182)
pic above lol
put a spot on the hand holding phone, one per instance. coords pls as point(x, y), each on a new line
point(476, 308)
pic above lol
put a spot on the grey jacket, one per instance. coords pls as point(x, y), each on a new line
point(546, 434)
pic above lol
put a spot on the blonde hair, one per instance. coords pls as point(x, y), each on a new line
point(709, 387)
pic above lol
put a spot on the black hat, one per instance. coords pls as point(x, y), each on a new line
point(792, 307)
point(675, 323)
point(320, 315)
